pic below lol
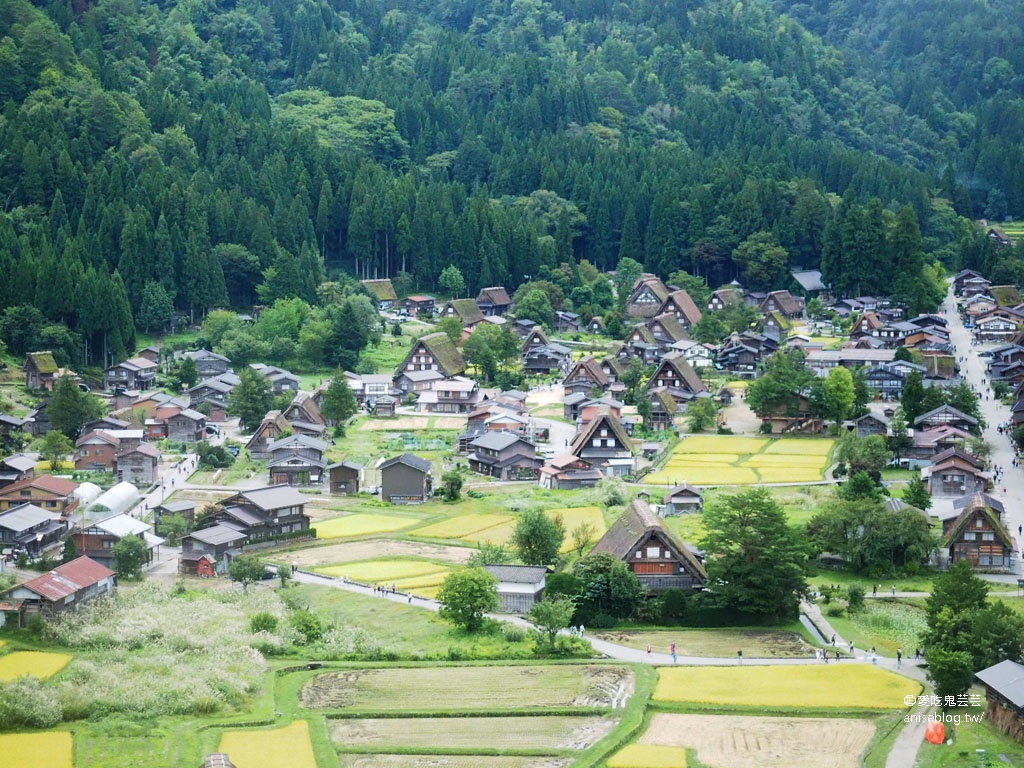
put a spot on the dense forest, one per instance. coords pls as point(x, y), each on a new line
point(181, 155)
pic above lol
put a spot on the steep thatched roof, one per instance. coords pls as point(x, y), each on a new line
point(632, 528)
point(382, 289)
point(445, 352)
point(977, 504)
point(43, 362)
point(465, 309)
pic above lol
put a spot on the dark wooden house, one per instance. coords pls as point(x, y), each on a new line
point(434, 352)
point(1004, 697)
point(505, 456)
point(659, 558)
point(344, 477)
point(979, 536)
point(406, 479)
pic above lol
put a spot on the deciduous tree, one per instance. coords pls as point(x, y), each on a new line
point(538, 537)
point(466, 595)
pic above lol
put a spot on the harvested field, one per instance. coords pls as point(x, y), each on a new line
point(35, 663)
point(377, 548)
point(361, 524)
point(756, 643)
point(478, 688)
point(646, 756)
point(835, 686)
point(288, 746)
point(52, 749)
point(703, 444)
point(544, 732)
point(448, 761)
point(728, 741)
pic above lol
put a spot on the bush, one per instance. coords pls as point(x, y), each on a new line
point(26, 702)
point(310, 627)
point(835, 611)
point(513, 633)
point(263, 622)
point(855, 598)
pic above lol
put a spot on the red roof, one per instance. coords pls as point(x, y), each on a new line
point(49, 483)
point(68, 579)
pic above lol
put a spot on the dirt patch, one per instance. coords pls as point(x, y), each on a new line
point(605, 687)
point(732, 741)
point(546, 395)
point(331, 690)
point(377, 548)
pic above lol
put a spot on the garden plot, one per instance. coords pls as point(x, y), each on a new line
point(34, 663)
point(38, 750)
point(362, 524)
point(288, 746)
point(834, 686)
point(454, 689)
point(732, 741)
point(462, 526)
point(549, 732)
point(727, 460)
point(448, 761)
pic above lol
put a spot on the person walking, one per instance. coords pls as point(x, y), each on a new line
point(739, 655)
point(833, 639)
point(899, 657)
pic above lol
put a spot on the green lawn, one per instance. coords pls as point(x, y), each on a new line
point(968, 738)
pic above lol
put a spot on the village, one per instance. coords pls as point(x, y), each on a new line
point(622, 442)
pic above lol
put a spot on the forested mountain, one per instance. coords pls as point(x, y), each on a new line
point(200, 153)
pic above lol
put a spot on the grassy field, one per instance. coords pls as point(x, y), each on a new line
point(52, 749)
point(756, 643)
point(727, 460)
point(739, 741)
point(474, 688)
point(836, 686)
point(553, 733)
point(39, 664)
point(401, 629)
point(498, 529)
point(270, 748)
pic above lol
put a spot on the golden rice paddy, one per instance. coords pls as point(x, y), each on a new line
point(270, 749)
point(52, 749)
point(648, 756)
point(419, 576)
point(35, 663)
point(728, 460)
point(836, 686)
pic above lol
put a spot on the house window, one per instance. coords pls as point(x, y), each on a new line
point(970, 536)
point(979, 523)
point(597, 442)
point(639, 554)
point(653, 552)
point(988, 536)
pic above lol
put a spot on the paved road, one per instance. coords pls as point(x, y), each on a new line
point(973, 369)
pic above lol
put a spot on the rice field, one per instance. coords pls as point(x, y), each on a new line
point(361, 524)
point(834, 686)
point(732, 741)
point(270, 749)
point(648, 756)
point(419, 576)
point(39, 664)
point(498, 529)
point(470, 689)
point(52, 749)
point(727, 460)
point(756, 643)
point(545, 732)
